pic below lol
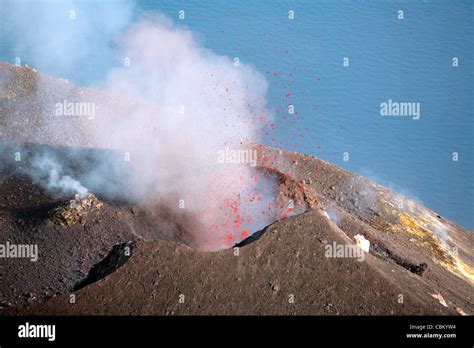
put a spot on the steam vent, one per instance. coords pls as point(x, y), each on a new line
point(334, 242)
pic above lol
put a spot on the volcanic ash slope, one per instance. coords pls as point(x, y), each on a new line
point(123, 259)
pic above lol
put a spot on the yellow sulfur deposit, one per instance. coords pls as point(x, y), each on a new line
point(76, 211)
point(421, 225)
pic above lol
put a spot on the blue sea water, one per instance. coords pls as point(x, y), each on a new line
point(338, 107)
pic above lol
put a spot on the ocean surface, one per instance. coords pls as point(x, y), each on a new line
point(337, 107)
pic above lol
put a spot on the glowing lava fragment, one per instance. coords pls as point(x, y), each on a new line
point(229, 236)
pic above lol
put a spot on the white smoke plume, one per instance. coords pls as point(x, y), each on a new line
point(205, 104)
point(441, 231)
point(219, 105)
point(333, 214)
point(48, 172)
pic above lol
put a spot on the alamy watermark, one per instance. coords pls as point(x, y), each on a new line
point(28, 251)
point(79, 109)
point(28, 330)
point(405, 109)
point(237, 156)
point(336, 250)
